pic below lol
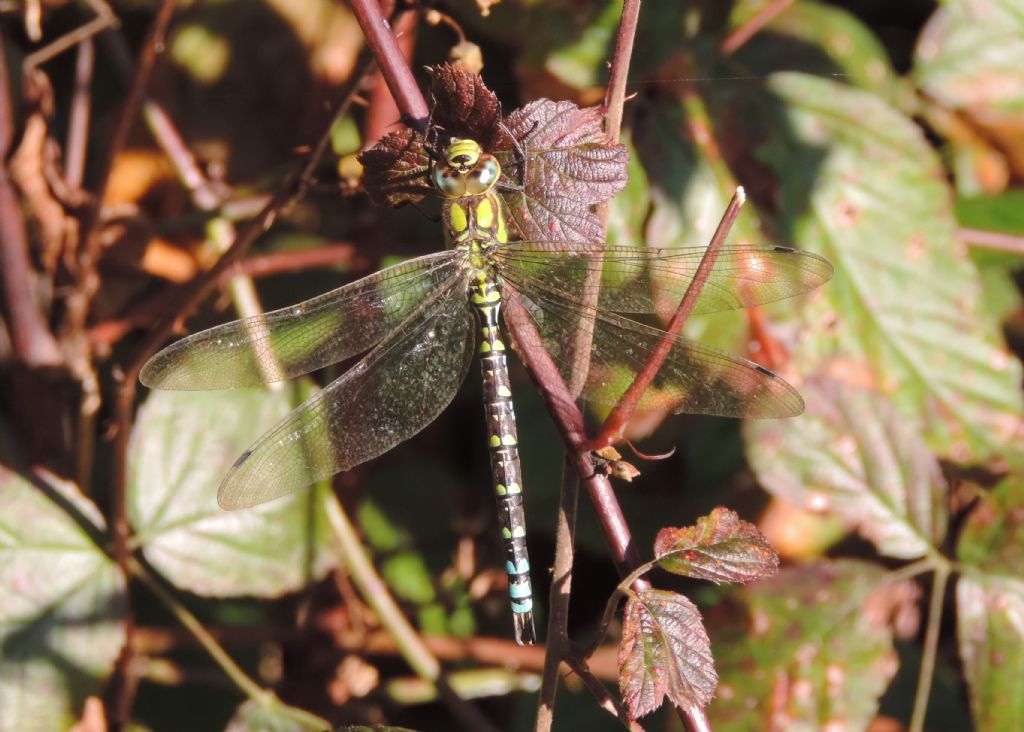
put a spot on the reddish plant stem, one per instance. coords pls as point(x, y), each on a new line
point(560, 594)
point(569, 421)
point(735, 40)
point(392, 64)
point(78, 119)
point(383, 113)
point(615, 97)
point(616, 421)
point(124, 683)
point(154, 44)
point(995, 240)
point(33, 344)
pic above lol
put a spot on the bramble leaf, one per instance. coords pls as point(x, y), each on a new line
point(463, 106)
point(182, 447)
point(665, 652)
point(395, 170)
point(904, 303)
point(721, 548)
point(853, 455)
point(991, 639)
point(571, 165)
point(62, 603)
point(814, 648)
point(990, 606)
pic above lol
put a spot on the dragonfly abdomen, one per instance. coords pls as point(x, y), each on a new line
point(503, 444)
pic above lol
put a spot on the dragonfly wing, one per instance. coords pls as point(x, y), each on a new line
point(296, 340)
point(654, 280)
point(694, 379)
point(391, 394)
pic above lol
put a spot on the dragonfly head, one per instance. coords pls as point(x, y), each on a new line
point(467, 170)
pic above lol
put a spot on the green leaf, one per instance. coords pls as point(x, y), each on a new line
point(854, 456)
point(862, 187)
point(271, 715)
point(721, 548)
point(970, 66)
point(991, 638)
point(815, 649)
point(813, 37)
point(971, 56)
point(183, 445)
point(62, 604)
point(665, 652)
point(992, 538)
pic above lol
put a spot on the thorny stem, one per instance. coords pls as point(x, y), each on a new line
point(569, 420)
point(558, 598)
point(560, 595)
point(392, 63)
point(620, 414)
point(382, 112)
point(931, 644)
point(88, 254)
point(605, 700)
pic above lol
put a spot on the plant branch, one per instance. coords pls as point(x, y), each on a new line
point(377, 595)
point(392, 63)
point(33, 344)
point(154, 45)
point(560, 595)
point(615, 423)
point(249, 687)
point(995, 240)
point(931, 645)
point(735, 40)
point(606, 701)
point(78, 118)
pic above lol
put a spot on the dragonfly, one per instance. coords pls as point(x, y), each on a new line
point(420, 323)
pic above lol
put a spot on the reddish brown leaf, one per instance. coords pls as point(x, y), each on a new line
point(665, 652)
point(395, 169)
point(571, 165)
point(463, 106)
point(721, 547)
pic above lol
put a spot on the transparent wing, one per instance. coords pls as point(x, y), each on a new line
point(394, 392)
point(694, 378)
point(301, 338)
point(650, 280)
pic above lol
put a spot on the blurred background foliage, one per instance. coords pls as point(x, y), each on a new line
point(887, 137)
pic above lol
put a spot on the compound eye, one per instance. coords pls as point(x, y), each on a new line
point(483, 177)
point(450, 182)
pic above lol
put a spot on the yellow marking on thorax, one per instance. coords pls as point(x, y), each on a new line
point(459, 218)
point(485, 213)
